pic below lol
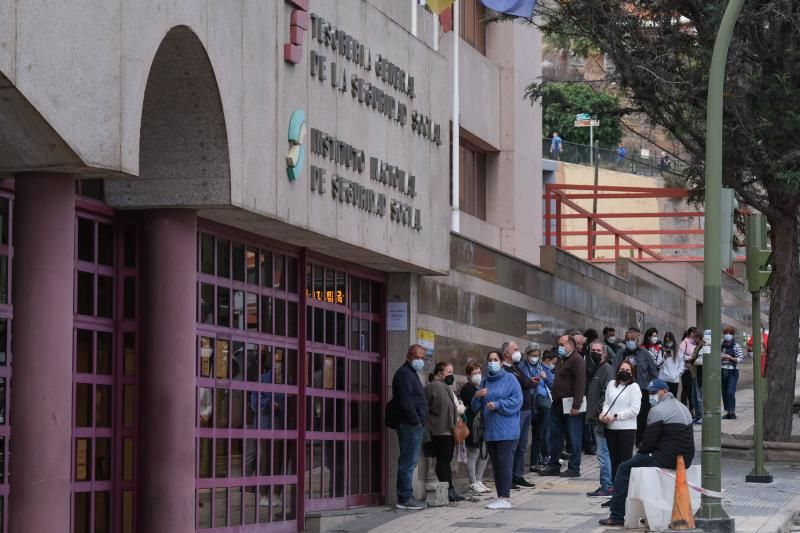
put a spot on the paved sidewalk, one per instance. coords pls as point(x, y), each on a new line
point(560, 505)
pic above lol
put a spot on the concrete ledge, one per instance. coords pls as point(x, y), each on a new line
point(363, 517)
point(743, 446)
point(785, 520)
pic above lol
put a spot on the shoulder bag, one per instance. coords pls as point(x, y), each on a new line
point(601, 426)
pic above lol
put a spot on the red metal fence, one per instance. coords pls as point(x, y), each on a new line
point(563, 197)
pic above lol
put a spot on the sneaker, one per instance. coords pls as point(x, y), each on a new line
point(570, 473)
point(550, 471)
point(411, 503)
point(499, 504)
point(483, 487)
point(606, 504)
point(478, 488)
point(600, 492)
point(514, 486)
point(613, 522)
point(733, 416)
point(522, 482)
point(726, 416)
point(698, 422)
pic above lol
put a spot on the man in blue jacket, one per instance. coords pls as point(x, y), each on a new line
point(410, 411)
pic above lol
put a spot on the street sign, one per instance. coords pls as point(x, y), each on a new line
point(583, 116)
point(586, 123)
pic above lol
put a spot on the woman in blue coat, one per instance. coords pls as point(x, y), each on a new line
point(499, 401)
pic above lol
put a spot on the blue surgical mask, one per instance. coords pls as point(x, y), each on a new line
point(561, 351)
point(653, 399)
point(551, 366)
point(654, 339)
point(728, 337)
point(668, 344)
point(630, 345)
point(417, 364)
point(494, 367)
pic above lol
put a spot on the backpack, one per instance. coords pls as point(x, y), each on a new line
point(391, 416)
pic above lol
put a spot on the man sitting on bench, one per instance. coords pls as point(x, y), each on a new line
point(669, 433)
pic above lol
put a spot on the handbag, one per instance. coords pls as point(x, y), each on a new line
point(460, 430)
point(601, 426)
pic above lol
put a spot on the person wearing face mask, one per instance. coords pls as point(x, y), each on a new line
point(673, 366)
point(476, 461)
point(499, 401)
point(513, 364)
point(669, 434)
point(645, 372)
point(569, 382)
point(621, 405)
point(611, 341)
point(442, 417)
point(653, 346)
point(542, 403)
point(732, 356)
point(408, 414)
point(685, 353)
point(594, 404)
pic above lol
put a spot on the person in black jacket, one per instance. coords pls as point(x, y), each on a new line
point(411, 412)
point(669, 433)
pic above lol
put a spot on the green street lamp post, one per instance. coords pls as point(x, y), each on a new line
point(711, 516)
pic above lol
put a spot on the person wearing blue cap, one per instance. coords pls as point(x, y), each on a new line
point(667, 435)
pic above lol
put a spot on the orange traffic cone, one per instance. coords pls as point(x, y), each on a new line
point(682, 517)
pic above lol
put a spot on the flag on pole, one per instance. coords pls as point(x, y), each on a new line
point(446, 20)
point(519, 8)
point(437, 6)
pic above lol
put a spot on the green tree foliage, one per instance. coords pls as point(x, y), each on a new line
point(562, 101)
point(662, 52)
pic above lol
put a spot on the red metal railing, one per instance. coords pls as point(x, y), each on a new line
point(561, 197)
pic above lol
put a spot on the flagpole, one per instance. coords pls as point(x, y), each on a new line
point(414, 17)
point(456, 175)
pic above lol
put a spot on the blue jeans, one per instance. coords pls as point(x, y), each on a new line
point(501, 452)
point(729, 380)
point(521, 448)
point(603, 461)
point(410, 438)
point(565, 426)
point(540, 435)
point(623, 479)
point(697, 393)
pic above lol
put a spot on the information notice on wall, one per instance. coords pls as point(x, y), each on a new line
point(427, 339)
point(397, 316)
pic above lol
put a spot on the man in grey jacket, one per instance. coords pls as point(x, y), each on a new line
point(645, 372)
point(669, 434)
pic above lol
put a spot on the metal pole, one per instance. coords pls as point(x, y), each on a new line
point(711, 515)
point(759, 474)
point(591, 144)
point(595, 148)
point(455, 224)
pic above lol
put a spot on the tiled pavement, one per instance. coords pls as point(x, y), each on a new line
point(559, 505)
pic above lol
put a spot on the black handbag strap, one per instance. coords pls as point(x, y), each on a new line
point(615, 400)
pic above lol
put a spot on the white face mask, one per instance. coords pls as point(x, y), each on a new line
point(728, 337)
point(551, 366)
point(533, 359)
point(516, 357)
point(475, 379)
point(654, 339)
point(611, 339)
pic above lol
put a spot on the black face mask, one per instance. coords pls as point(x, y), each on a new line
point(623, 375)
point(596, 357)
point(449, 380)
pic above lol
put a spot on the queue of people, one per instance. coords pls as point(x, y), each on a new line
point(541, 409)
